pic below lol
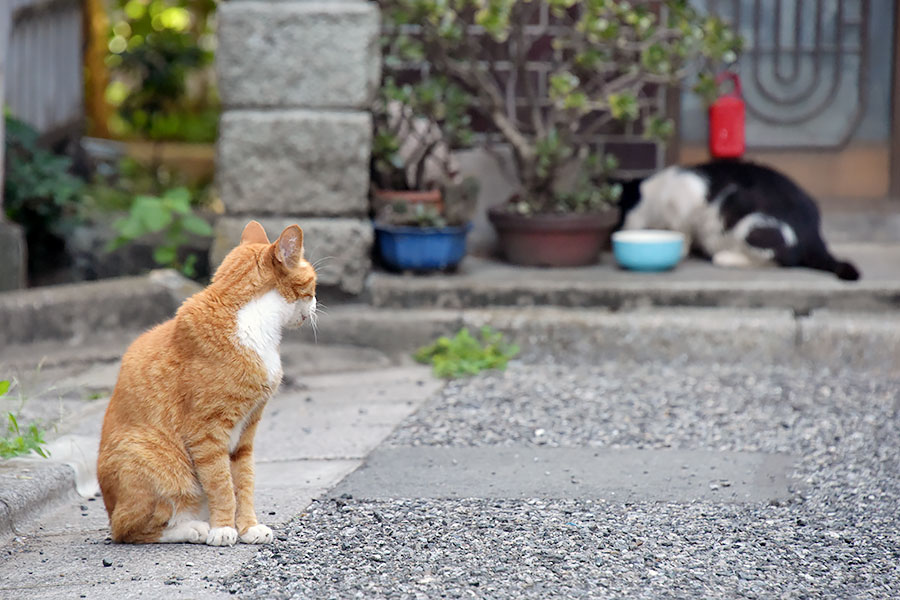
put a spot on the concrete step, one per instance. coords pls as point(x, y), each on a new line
point(76, 311)
point(856, 220)
point(822, 339)
point(482, 282)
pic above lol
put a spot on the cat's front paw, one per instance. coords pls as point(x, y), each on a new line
point(222, 536)
point(258, 534)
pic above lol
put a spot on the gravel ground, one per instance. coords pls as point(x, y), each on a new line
point(538, 549)
point(837, 537)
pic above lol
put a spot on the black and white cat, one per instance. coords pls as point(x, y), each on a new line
point(736, 213)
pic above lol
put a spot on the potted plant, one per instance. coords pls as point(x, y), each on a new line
point(599, 57)
point(422, 210)
point(418, 237)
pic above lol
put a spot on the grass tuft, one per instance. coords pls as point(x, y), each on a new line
point(465, 354)
point(17, 441)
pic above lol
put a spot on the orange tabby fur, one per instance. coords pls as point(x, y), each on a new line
point(183, 388)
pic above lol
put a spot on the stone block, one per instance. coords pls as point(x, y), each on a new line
point(297, 162)
point(76, 311)
point(298, 54)
point(12, 255)
point(343, 246)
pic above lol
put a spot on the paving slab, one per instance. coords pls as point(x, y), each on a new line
point(337, 417)
point(583, 473)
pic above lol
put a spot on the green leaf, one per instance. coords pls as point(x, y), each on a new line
point(4, 386)
point(151, 213)
point(189, 268)
point(623, 107)
point(178, 200)
point(17, 442)
point(196, 225)
point(164, 255)
point(562, 84)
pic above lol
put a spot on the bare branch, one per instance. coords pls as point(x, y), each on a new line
point(521, 68)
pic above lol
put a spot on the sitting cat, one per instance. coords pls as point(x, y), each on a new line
point(176, 450)
point(737, 213)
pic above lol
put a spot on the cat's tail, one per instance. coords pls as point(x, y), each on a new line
point(822, 260)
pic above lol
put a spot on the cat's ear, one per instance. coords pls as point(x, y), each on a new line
point(289, 247)
point(254, 234)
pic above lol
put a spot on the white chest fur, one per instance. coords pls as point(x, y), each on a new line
point(259, 325)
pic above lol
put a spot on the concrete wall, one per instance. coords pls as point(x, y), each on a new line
point(12, 242)
point(296, 80)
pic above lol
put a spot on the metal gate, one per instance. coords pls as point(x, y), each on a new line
point(816, 73)
point(818, 80)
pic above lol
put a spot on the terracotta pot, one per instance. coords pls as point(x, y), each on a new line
point(428, 198)
point(564, 240)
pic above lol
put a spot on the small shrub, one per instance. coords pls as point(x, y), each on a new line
point(464, 354)
point(170, 214)
point(15, 441)
point(602, 61)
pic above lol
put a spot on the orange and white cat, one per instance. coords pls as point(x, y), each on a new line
point(176, 451)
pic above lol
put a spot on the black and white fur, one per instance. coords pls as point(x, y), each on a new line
point(736, 213)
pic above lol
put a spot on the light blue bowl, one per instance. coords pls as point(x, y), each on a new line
point(647, 249)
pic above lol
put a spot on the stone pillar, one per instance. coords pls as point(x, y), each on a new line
point(12, 240)
point(296, 78)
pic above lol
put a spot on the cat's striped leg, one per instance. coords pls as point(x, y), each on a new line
point(211, 462)
point(249, 529)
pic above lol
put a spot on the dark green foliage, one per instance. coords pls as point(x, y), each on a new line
point(39, 192)
point(172, 216)
point(464, 354)
point(157, 47)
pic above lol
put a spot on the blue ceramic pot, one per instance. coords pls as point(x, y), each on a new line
point(421, 248)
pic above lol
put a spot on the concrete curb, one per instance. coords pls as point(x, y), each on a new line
point(28, 488)
point(77, 310)
point(825, 339)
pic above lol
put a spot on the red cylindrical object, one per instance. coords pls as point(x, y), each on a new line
point(726, 122)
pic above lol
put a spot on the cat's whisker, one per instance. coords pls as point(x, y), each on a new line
point(321, 260)
point(314, 322)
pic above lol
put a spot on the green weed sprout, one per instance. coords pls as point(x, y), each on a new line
point(464, 354)
point(15, 441)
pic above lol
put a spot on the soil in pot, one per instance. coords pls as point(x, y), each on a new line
point(552, 240)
